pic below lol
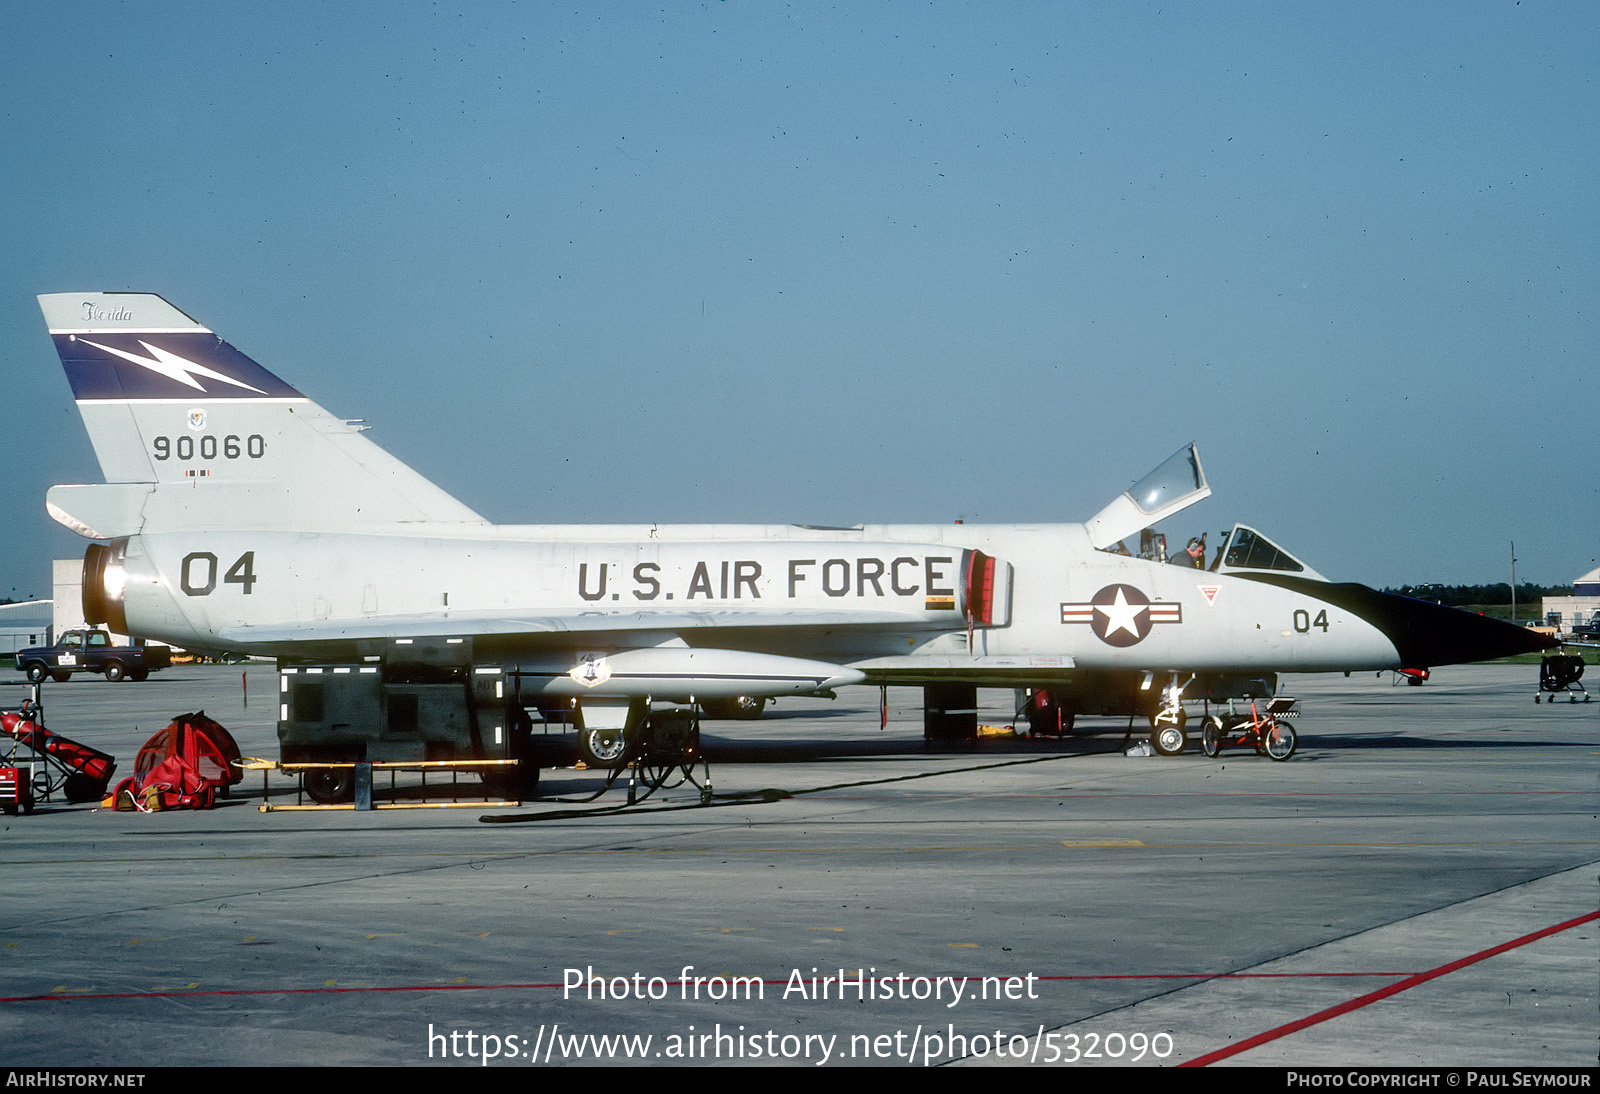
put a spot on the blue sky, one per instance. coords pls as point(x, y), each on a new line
point(832, 263)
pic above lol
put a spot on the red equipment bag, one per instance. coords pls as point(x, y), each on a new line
point(209, 750)
point(171, 784)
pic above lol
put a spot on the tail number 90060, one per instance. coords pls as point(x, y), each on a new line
point(208, 446)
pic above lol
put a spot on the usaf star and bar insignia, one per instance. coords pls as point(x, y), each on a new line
point(1121, 615)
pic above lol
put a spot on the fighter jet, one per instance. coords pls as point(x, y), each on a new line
point(239, 515)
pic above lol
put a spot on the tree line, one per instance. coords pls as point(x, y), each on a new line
point(1498, 593)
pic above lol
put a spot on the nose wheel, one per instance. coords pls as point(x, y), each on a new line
point(1169, 737)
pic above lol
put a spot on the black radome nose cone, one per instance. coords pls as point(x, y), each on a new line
point(1431, 634)
point(1426, 635)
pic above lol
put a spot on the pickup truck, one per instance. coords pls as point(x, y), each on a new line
point(91, 651)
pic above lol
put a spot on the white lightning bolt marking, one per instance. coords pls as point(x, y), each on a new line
point(174, 367)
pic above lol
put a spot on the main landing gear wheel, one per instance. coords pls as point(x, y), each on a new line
point(741, 708)
point(1279, 741)
point(607, 748)
point(1211, 738)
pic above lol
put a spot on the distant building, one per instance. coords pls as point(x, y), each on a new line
point(25, 625)
point(66, 580)
point(67, 583)
point(1583, 606)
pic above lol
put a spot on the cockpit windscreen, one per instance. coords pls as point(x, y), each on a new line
point(1250, 550)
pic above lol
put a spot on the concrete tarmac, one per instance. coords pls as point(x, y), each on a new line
point(1416, 886)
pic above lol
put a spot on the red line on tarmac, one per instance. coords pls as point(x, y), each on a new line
point(1383, 993)
point(66, 997)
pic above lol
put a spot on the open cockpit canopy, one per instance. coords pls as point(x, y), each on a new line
point(1175, 485)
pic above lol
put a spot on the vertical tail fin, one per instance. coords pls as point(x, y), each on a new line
point(190, 432)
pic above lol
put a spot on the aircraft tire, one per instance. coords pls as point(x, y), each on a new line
point(747, 708)
point(742, 708)
point(1279, 741)
point(331, 786)
point(1211, 738)
point(603, 748)
point(1169, 740)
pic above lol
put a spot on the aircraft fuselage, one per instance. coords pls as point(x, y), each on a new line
point(879, 598)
